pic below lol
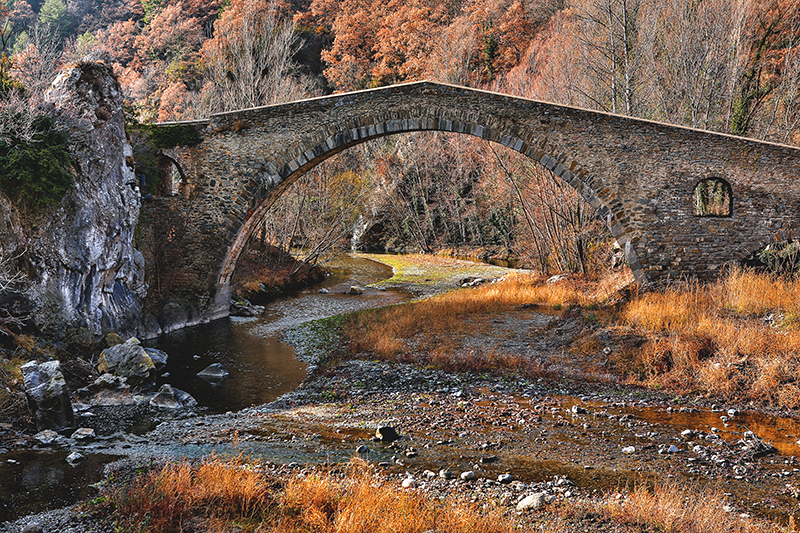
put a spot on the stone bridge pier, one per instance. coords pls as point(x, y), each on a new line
point(681, 202)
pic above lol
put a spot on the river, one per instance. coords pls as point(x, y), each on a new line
point(261, 368)
point(261, 365)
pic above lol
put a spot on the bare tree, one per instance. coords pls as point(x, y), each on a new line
point(249, 60)
point(612, 54)
point(693, 57)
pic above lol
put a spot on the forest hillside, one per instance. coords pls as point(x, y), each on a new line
point(730, 66)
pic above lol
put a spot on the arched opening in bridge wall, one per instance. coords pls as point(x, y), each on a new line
point(287, 169)
point(171, 177)
point(713, 197)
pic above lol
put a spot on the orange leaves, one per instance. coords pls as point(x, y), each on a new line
point(380, 42)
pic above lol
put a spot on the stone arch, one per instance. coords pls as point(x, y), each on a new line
point(308, 153)
point(171, 176)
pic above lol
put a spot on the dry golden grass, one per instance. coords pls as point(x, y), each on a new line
point(385, 332)
point(220, 496)
point(737, 338)
point(716, 338)
point(214, 495)
point(676, 509)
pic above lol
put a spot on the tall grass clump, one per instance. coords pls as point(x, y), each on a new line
point(737, 337)
point(673, 508)
point(217, 495)
point(180, 495)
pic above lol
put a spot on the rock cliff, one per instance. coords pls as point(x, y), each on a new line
point(85, 267)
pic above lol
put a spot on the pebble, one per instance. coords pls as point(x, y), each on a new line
point(362, 449)
point(505, 478)
point(673, 449)
point(629, 449)
point(469, 475)
point(409, 483)
point(75, 458)
point(446, 474)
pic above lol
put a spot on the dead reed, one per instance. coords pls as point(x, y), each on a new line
point(736, 338)
point(673, 508)
point(216, 495)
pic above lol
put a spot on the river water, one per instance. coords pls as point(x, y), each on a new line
point(261, 368)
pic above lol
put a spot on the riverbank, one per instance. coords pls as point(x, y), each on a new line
point(567, 426)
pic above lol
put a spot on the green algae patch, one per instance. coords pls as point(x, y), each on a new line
point(432, 273)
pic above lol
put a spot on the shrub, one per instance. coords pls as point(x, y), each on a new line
point(35, 171)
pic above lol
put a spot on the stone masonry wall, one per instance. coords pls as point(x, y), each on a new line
point(639, 175)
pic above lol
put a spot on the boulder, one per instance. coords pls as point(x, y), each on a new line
point(47, 437)
point(128, 360)
point(533, 502)
point(149, 328)
point(214, 373)
point(108, 389)
point(169, 397)
point(83, 434)
point(48, 396)
point(355, 290)
point(245, 308)
point(75, 459)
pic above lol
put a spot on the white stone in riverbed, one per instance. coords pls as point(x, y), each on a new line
point(75, 458)
point(505, 478)
point(532, 502)
point(409, 483)
point(629, 450)
point(83, 434)
point(469, 475)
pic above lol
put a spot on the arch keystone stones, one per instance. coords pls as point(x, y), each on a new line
point(638, 175)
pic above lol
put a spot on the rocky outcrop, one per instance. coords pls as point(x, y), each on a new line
point(85, 265)
point(169, 397)
point(48, 396)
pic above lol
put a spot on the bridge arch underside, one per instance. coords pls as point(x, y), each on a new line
point(271, 185)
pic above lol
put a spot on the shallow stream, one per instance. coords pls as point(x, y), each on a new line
point(261, 368)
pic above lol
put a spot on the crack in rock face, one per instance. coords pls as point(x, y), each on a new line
point(83, 253)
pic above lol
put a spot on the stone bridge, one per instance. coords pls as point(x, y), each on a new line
point(651, 183)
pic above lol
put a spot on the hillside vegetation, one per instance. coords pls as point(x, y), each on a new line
point(727, 66)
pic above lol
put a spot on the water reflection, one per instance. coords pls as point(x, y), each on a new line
point(261, 366)
point(34, 480)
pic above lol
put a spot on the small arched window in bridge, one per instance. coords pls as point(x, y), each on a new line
point(713, 197)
